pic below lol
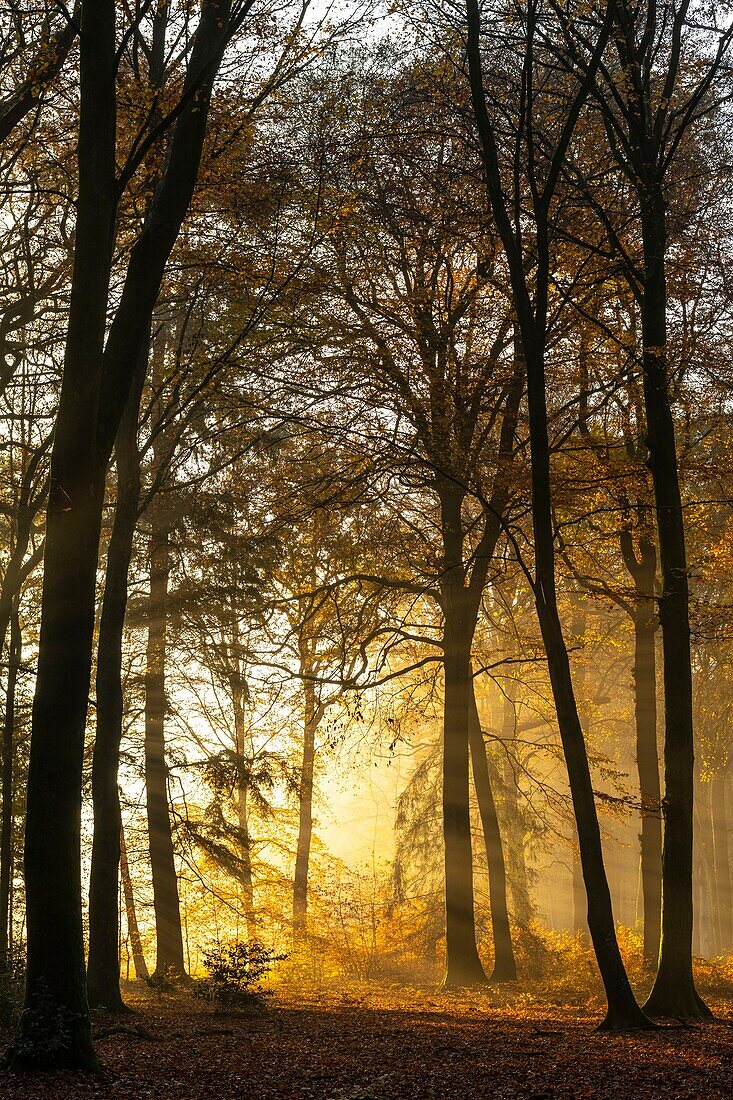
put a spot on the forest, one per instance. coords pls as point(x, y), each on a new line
point(366, 549)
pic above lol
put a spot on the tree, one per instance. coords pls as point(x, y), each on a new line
point(96, 383)
point(25, 546)
point(505, 967)
point(39, 58)
point(415, 290)
point(538, 176)
point(653, 96)
point(103, 968)
point(614, 460)
point(138, 958)
point(330, 616)
point(207, 312)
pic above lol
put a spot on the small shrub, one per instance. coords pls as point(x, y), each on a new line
point(165, 983)
point(233, 975)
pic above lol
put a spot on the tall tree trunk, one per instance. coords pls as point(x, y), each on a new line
point(673, 992)
point(697, 888)
point(237, 684)
point(138, 957)
point(248, 892)
point(103, 968)
point(577, 629)
point(55, 976)
point(505, 967)
point(169, 961)
point(305, 833)
point(713, 916)
point(463, 965)
point(643, 571)
point(460, 610)
point(313, 713)
point(238, 689)
point(515, 833)
point(6, 833)
point(623, 1011)
point(647, 758)
point(719, 801)
point(705, 918)
point(94, 392)
point(532, 313)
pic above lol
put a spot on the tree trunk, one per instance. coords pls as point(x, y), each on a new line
point(103, 968)
point(623, 1010)
point(6, 833)
point(169, 961)
point(56, 984)
point(532, 312)
point(723, 899)
point(237, 685)
point(248, 893)
point(647, 756)
point(238, 689)
point(305, 832)
point(705, 916)
point(697, 887)
point(94, 392)
point(580, 904)
point(673, 992)
point(505, 967)
point(515, 833)
point(311, 719)
point(713, 915)
point(56, 999)
point(463, 965)
point(138, 958)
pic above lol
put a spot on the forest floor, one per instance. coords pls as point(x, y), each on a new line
point(384, 1043)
